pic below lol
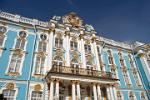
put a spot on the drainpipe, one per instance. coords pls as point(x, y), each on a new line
point(31, 65)
point(140, 75)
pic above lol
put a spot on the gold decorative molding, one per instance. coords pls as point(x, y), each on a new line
point(13, 73)
point(37, 87)
point(74, 20)
point(141, 55)
point(10, 86)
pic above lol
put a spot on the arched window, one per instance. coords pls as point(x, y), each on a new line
point(36, 95)
point(9, 94)
point(42, 43)
point(20, 42)
point(58, 42)
point(2, 36)
point(57, 61)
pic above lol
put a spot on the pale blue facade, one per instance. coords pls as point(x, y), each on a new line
point(26, 81)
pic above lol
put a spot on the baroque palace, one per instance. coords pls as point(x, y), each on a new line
point(65, 59)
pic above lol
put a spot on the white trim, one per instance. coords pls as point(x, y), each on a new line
point(15, 88)
point(21, 65)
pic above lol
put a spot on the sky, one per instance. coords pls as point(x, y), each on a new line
point(120, 20)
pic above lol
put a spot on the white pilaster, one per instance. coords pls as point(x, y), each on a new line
point(78, 91)
point(145, 66)
point(99, 92)
point(94, 91)
point(50, 50)
point(67, 48)
point(51, 95)
point(115, 92)
point(73, 91)
point(83, 60)
point(57, 90)
point(108, 93)
point(111, 93)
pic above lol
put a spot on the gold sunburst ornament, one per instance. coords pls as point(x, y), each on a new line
point(74, 20)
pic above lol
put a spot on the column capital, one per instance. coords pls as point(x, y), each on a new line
point(67, 33)
point(57, 79)
point(77, 81)
point(52, 79)
point(93, 83)
point(73, 81)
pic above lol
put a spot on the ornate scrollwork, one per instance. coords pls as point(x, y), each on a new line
point(10, 86)
point(37, 87)
point(73, 19)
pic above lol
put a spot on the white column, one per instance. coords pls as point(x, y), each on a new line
point(67, 48)
point(51, 96)
point(145, 66)
point(73, 91)
point(95, 52)
point(78, 91)
point(57, 90)
point(115, 92)
point(50, 50)
point(99, 92)
point(108, 93)
point(111, 93)
point(94, 91)
point(83, 60)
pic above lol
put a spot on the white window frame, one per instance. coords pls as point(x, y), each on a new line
point(44, 41)
point(15, 41)
point(15, 88)
point(134, 96)
point(4, 41)
point(34, 68)
point(21, 65)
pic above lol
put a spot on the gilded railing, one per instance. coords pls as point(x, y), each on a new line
point(80, 72)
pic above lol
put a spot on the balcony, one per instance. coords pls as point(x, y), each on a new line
point(81, 72)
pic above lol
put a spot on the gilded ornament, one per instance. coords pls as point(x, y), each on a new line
point(10, 86)
point(37, 87)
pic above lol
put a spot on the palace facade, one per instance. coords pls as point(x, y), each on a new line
point(65, 59)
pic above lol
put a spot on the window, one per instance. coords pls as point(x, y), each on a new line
point(73, 45)
point(20, 42)
point(131, 95)
point(42, 44)
point(126, 78)
point(39, 65)
point(119, 96)
point(122, 62)
point(74, 63)
point(2, 36)
point(58, 42)
point(57, 61)
point(36, 95)
point(15, 63)
point(9, 94)
point(143, 96)
point(110, 59)
point(87, 48)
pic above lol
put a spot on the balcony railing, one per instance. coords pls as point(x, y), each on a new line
point(81, 72)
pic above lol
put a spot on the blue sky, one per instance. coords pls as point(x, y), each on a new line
point(121, 20)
